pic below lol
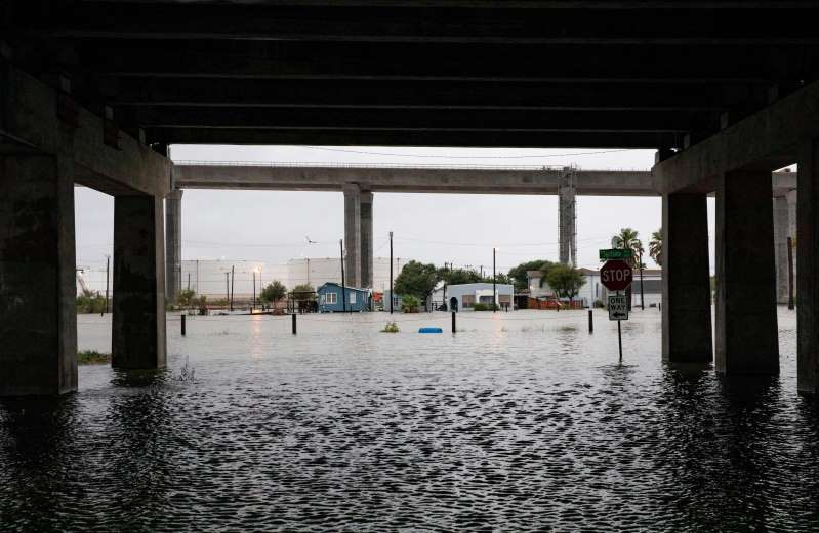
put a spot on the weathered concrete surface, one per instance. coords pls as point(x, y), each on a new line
point(352, 235)
point(567, 218)
point(139, 283)
point(38, 314)
point(29, 108)
point(764, 141)
point(807, 259)
point(367, 240)
point(780, 218)
point(173, 244)
point(686, 287)
point(745, 319)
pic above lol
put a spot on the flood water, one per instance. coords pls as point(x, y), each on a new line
point(520, 421)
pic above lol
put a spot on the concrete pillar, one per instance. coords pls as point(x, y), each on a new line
point(567, 202)
point(138, 335)
point(173, 244)
point(352, 234)
point(686, 306)
point(792, 196)
point(367, 240)
point(807, 258)
point(38, 312)
point(780, 225)
point(745, 316)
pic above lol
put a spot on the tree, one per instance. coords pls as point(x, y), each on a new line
point(186, 297)
point(459, 276)
point(655, 246)
point(305, 291)
point(273, 292)
point(518, 273)
point(417, 279)
point(410, 304)
point(565, 280)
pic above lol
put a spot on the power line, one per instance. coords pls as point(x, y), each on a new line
point(433, 156)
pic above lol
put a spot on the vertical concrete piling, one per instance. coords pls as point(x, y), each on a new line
point(745, 314)
point(352, 234)
point(367, 240)
point(173, 244)
point(807, 272)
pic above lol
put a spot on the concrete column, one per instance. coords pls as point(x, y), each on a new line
point(367, 240)
point(745, 316)
point(139, 283)
point(792, 196)
point(807, 258)
point(352, 234)
point(780, 225)
point(686, 287)
point(38, 312)
point(173, 244)
point(567, 218)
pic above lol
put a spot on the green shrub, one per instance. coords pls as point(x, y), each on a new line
point(89, 302)
point(410, 304)
point(93, 357)
point(390, 327)
point(485, 307)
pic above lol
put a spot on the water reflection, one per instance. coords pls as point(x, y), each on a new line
point(520, 422)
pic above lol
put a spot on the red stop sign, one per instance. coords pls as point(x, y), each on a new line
point(615, 275)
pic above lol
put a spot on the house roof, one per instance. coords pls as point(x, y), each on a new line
point(339, 286)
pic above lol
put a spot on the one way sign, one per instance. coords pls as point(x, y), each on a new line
point(618, 310)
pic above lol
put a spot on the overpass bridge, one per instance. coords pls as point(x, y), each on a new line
point(359, 181)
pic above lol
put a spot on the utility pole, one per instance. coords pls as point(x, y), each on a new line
point(232, 285)
point(494, 282)
point(227, 284)
point(189, 281)
point(253, 303)
point(308, 271)
point(392, 294)
point(108, 280)
point(343, 298)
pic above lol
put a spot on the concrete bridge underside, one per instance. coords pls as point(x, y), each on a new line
point(358, 183)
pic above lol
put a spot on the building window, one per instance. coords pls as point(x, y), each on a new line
point(468, 301)
point(331, 298)
point(352, 297)
point(504, 299)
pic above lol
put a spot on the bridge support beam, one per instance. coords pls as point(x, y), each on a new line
point(173, 244)
point(138, 336)
point(367, 240)
point(745, 317)
point(807, 258)
point(352, 234)
point(686, 286)
point(567, 201)
point(781, 225)
point(38, 310)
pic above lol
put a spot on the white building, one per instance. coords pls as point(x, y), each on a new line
point(464, 297)
point(320, 270)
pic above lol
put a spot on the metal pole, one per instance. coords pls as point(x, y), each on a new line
point(790, 274)
point(620, 342)
point(494, 281)
point(189, 281)
point(642, 288)
point(232, 285)
point(591, 325)
point(392, 293)
point(293, 318)
point(183, 325)
point(453, 322)
point(227, 284)
point(107, 281)
point(343, 298)
point(253, 303)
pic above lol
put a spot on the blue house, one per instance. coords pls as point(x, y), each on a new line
point(329, 296)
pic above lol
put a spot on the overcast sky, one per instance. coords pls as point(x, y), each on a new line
point(271, 226)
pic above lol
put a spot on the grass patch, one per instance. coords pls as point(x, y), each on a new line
point(93, 357)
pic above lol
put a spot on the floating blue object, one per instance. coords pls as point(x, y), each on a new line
point(430, 330)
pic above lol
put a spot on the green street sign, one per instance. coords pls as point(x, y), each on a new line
point(615, 253)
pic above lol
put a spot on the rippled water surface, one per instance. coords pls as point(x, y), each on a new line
point(520, 421)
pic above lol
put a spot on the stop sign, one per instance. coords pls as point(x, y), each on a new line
point(615, 275)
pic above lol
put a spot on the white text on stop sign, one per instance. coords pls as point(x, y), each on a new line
point(616, 275)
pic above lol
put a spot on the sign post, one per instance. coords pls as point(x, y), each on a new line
point(616, 276)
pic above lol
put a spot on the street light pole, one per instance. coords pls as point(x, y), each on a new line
point(107, 280)
point(343, 298)
point(392, 294)
point(494, 282)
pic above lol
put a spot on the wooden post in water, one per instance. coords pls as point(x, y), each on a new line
point(591, 325)
point(453, 322)
point(293, 318)
point(182, 324)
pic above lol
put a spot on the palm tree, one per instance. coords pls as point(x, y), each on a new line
point(628, 238)
point(655, 246)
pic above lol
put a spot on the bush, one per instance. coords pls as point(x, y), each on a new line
point(410, 304)
point(88, 302)
point(599, 304)
point(390, 327)
point(92, 357)
point(186, 297)
point(486, 307)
